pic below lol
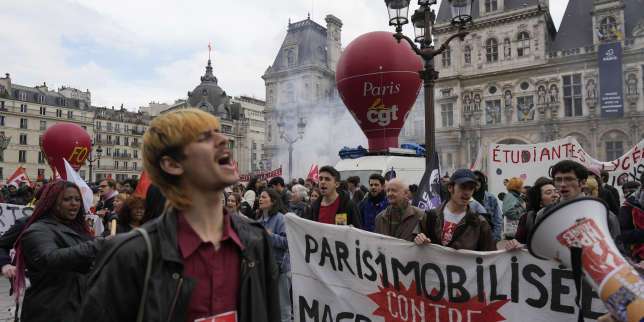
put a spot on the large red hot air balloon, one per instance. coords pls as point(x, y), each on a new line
point(378, 81)
point(65, 141)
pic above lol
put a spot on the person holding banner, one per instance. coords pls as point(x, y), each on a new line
point(55, 250)
point(374, 203)
point(400, 219)
point(333, 207)
point(195, 261)
point(455, 224)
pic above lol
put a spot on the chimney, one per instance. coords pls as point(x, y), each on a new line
point(333, 40)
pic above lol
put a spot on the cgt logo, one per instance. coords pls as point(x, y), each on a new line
point(381, 115)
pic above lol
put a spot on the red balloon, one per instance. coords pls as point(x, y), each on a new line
point(378, 81)
point(65, 141)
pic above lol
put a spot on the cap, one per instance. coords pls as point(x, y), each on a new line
point(461, 176)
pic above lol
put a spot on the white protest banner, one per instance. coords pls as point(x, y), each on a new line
point(628, 167)
point(9, 213)
point(531, 161)
point(345, 274)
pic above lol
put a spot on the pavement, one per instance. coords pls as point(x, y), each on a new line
point(7, 303)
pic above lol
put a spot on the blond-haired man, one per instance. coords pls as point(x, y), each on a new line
point(205, 262)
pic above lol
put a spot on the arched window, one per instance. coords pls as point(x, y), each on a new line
point(507, 48)
point(523, 46)
point(492, 50)
point(608, 27)
point(467, 54)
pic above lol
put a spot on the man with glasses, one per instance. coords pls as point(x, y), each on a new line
point(107, 192)
point(569, 178)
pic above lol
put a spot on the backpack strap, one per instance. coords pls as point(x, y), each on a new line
point(148, 272)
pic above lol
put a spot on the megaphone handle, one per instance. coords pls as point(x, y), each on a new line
point(575, 261)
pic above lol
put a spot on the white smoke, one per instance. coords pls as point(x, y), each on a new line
point(328, 129)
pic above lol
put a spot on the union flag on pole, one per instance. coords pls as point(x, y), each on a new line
point(313, 173)
point(20, 175)
point(143, 185)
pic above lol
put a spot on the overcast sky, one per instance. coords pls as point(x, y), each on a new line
point(133, 52)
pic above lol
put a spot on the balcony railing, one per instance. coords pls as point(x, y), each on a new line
point(137, 132)
point(124, 156)
point(135, 144)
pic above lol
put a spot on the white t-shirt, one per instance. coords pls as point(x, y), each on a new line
point(249, 197)
point(449, 225)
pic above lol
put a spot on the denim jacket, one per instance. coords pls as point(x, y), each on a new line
point(276, 225)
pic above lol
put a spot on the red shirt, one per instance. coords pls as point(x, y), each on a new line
point(216, 272)
point(327, 213)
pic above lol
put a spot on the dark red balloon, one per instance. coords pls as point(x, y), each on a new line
point(65, 141)
point(377, 78)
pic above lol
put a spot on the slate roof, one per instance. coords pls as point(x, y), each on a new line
point(51, 98)
point(633, 14)
point(576, 29)
point(445, 12)
point(310, 38)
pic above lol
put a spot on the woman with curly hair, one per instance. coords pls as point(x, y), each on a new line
point(55, 250)
point(131, 214)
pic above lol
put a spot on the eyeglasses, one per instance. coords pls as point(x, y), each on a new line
point(567, 180)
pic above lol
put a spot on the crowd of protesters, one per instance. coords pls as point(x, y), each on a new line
point(200, 244)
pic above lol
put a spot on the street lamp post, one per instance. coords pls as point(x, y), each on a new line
point(423, 21)
point(281, 125)
point(91, 159)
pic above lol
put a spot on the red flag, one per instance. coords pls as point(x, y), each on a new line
point(143, 185)
point(313, 173)
point(20, 175)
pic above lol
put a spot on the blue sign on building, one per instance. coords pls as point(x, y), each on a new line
point(611, 88)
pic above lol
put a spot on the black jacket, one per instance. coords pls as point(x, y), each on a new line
point(106, 204)
point(472, 233)
point(57, 259)
point(629, 233)
point(346, 207)
point(610, 195)
point(116, 283)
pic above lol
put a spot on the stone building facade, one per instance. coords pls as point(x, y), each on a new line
point(301, 81)
point(516, 79)
point(26, 112)
point(119, 134)
point(253, 111)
